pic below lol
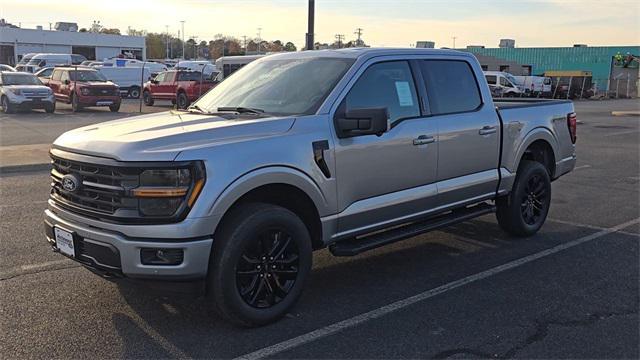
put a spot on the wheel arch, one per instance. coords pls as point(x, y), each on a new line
point(282, 186)
point(541, 146)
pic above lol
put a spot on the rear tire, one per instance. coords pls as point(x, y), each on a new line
point(7, 108)
point(134, 92)
point(147, 98)
point(182, 100)
point(259, 262)
point(523, 212)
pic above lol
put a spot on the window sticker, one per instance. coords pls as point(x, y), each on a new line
point(404, 93)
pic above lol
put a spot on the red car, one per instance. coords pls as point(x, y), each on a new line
point(182, 87)
point(83, 87)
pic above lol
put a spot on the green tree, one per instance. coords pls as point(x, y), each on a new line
point(289, 46)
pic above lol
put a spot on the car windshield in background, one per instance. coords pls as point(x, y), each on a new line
point(279, 87)
point(20, 79)
point(84, 75)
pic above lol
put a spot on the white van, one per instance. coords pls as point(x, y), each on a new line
point(505, 82)
point(40, 61)
point(204, 66)
point(129, 79)
point(537, 86)
point(154, 67)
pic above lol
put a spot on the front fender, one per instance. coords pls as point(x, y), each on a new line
point(267, 176)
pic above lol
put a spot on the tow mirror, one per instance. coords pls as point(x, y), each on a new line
point(367, 121)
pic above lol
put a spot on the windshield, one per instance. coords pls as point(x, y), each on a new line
point(86, 75)
point(25, 59)
point(281, 87)
point(511, 78)
point(20, 79)
point(35, 62)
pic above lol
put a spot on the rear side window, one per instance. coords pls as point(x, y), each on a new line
point(388, 84)
point(451, 86)
point(491, 79)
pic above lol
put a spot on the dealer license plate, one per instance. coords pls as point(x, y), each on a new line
point(64, 242)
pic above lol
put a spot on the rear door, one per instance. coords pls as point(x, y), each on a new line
point(389, 178)
point(469, 132)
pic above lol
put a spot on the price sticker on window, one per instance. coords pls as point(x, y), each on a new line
point(403, 91)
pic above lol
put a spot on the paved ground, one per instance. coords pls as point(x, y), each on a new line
point(469, 291)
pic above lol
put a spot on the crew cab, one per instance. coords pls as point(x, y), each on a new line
point(348, 149)
point(84, 87)
point(23, 91)
point(182, 87)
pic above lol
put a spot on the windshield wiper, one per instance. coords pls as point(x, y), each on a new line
point(197, 108)
point(241, 110)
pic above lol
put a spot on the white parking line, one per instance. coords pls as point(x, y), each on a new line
point(581, 167)
point(398, 305)
point(621, 133)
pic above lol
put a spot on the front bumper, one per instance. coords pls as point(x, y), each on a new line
point(25, 103)
point(89, 100)
point(114, 253)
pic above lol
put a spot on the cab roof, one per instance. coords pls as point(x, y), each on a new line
point(355, 53)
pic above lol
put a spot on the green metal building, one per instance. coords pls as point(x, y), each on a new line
point(597, 59)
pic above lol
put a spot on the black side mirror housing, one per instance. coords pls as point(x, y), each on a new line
point(367, 121)
point(67, 82)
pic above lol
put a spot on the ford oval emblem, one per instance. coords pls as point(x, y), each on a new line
point(70, 182)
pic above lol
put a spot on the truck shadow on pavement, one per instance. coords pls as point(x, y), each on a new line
point(338, 288)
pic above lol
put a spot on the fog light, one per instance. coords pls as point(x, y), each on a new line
point(152, 256)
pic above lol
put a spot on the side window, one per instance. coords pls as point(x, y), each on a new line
point(451, 86)
point(64, 76)
point(56, 75)
point(387, 84)
point(160, 77)
point(170, 76)
point(491, 79)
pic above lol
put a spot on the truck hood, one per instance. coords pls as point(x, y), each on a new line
point(162, 136)
point(27, 87)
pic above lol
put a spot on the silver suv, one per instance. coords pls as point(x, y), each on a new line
point(24, 91)
point(348, 149)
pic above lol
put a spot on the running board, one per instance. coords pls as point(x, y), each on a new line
point(359, 245)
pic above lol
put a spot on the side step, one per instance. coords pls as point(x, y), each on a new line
point(361, 244)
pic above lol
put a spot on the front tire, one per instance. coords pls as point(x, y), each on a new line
point(50, 109)
point(146, 97)
point(259, 264)
point(7, 108)
point(75, 104)
point(523, 212)
point(114, 107)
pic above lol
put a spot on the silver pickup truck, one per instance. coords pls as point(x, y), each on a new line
point(349, 149)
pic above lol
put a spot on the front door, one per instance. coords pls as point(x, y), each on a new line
point(386, 179)
point(469, 132)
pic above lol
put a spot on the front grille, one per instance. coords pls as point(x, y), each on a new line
point(102, 189)
point(103, 91)
point(35, 93)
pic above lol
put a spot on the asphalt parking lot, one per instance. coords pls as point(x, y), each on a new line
point(468, 291)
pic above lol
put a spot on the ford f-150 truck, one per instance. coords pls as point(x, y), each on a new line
point(347, 149)
point(180, 86)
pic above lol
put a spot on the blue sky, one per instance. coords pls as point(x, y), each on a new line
point(385, 22)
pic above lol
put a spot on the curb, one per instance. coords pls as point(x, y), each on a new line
point(12, 169)
point(625, 113)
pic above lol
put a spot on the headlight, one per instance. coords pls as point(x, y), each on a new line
point(163, 192)
point(16, 91)
point(84, 91)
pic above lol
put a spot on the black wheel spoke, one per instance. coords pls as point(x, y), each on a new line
point(286, 261)
point(258, 291)
point(251, 287)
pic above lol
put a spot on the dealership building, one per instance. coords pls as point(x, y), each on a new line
point(16, 42)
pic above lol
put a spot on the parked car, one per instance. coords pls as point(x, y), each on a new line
point(295, 152)
point(128, 79)
point(23, 91)
point(4, 67)
point(83, 87)
point(534, 86)
point(180, 86)
point(44, 75)
point(505, 82)
point(40, 61)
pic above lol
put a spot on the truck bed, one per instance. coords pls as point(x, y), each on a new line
point(522, 103)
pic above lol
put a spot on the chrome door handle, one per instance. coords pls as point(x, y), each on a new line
point(423, 140)
point(487, 130)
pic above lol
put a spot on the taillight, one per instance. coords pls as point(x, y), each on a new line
point(572, 124)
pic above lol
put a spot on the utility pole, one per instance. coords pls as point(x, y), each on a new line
point(244, 41)
point(195, 45)
point(339, 38)
point(259, 38)
point(311, 21)
point(182, 23)
point(359, 33)
point(454, 41)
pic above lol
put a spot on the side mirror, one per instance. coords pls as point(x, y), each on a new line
point(368, 121)
point(154, 81)
point(67, 82)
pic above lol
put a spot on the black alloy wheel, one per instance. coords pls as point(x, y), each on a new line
point(267, 270)
point(534, 200)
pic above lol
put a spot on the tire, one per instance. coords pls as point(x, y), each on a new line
point(134, 92)
point(523, 212)
point(75, 105)
point(242, 283)
point(147, 98)
point(7, 108)
point(182, 101)
point(114, 107)
point(50, 109)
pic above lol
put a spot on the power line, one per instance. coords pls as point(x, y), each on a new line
point(359, 33)
point(339, 39)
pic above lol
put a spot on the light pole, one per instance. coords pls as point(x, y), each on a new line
point(182, 22)
point(166, 40)
point(259, 39)
point(311, 20)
